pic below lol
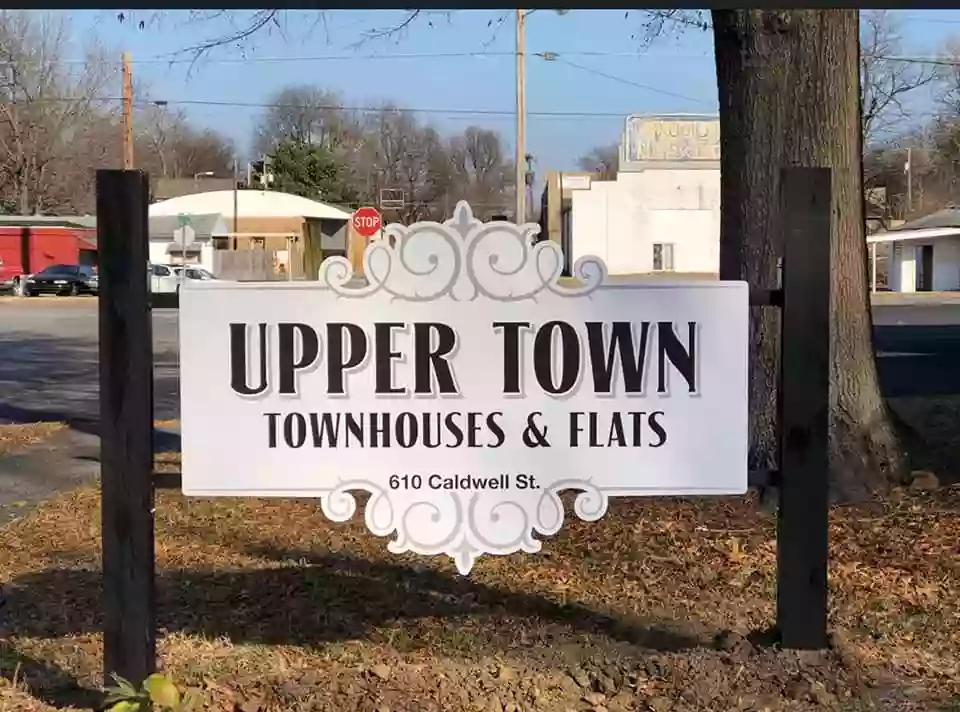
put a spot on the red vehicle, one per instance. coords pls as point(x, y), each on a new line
point(28, 245)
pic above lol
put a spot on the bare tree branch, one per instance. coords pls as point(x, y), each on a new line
point(660, 22)
point(167, 146)
point(884, 81)
point(949, 95)
point(52, 126)
point(385, 33)
point(604, 160)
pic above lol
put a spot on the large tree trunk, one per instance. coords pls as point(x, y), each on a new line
point(789, 95)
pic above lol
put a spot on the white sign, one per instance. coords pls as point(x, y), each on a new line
point(184, 235)
point(464, 386)
point(576, 182)
point(657, 139)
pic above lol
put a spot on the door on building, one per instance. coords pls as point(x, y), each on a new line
point(925, 273)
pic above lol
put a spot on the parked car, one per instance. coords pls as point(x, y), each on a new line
point(192, 272)
point(30, 244)
point(164, 279)
point(62, 280)
point(161, 279)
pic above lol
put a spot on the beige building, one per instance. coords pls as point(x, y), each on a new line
point(556, 204)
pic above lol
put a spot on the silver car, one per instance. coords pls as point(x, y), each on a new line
point(193, 272)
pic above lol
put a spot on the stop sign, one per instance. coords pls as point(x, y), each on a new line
point(366, 221)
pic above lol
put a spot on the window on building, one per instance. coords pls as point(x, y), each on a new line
point(662, 257)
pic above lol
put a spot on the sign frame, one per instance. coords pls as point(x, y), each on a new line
point(128, 482)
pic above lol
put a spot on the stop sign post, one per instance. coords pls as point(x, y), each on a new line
point(366, 221)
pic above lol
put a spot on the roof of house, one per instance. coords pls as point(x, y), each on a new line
point(930, 233)
point(164, 227)
point(166, 188)
point(83, 221)
point(250, 204)
point(948, 217)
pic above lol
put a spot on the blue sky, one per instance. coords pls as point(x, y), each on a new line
point(675, 74)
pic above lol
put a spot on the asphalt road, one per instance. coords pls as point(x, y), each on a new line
point(48, 357)
point(918, 348)
point(49, 361)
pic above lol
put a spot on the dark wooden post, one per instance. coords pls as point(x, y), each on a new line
point(802, 546)
point(126, 426)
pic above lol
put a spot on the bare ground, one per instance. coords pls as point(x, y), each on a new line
point(18, 438)
point(265, 605)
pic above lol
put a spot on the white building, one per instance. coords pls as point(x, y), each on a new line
point(923, 255)
point(247, 204)
point(238, 220)
point(662, 213)
point(175, 239)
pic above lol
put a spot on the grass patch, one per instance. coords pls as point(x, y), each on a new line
point(17, 438)
point(265, 605)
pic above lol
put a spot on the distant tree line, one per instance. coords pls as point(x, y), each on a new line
point(58, 124)
point(320, 150)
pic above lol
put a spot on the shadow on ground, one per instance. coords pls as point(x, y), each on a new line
point(326, 598)
point(45, 681)
point(323, 598)
point(45, 378)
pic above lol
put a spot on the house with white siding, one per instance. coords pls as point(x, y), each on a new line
point(923, 255)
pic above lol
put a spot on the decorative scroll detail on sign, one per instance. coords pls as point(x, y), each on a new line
point(462, 259)
point(464, 527)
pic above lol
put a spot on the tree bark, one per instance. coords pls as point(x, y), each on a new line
point(788, 85)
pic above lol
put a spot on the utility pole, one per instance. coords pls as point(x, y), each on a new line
point(908, 168)
point(528, 179)
point(127, 113)
point(236, 178)
point(520, 158)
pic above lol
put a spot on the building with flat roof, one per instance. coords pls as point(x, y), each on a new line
point(659, 216)
point(922, 255)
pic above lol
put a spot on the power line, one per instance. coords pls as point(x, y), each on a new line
point(358, 109)
point(931, 20)
point(366, 57)
point(555, 57)
point(939, 61)
point(481, 54)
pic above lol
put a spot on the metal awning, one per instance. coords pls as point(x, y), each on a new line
point(929, 233)
point(175, 247)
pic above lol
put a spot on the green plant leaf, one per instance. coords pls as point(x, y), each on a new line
point(120, 682)
point(162, 691)
point(126, 706)
point(114, 696)
point(121, 689)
